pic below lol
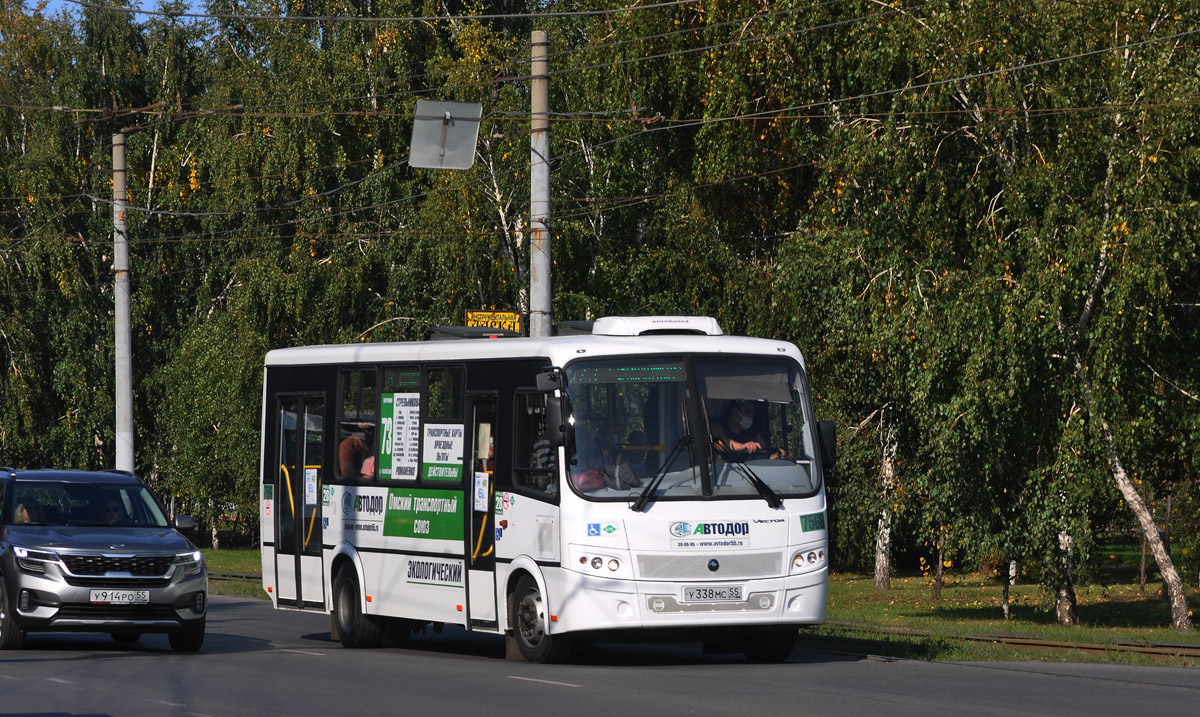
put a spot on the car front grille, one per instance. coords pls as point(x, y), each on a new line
point(96, 565)
point(108, 582)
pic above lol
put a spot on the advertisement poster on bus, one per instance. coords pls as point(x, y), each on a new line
point(397, 513)
point(442, 452)
point(400, 441)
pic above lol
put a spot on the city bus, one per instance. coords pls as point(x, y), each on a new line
point(652, 477)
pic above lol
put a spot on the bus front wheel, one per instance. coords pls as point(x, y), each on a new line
point(527, 618)
point(355, 628)
point(771, 646)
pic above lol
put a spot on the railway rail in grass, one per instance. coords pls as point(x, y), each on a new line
point(234, 576)
point(1149, 649)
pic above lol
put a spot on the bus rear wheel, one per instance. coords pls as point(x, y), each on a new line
point(527, 618)
point(355, 628)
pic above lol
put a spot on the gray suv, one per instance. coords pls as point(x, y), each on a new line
point(84, 551)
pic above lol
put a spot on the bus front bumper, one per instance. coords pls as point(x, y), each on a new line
point(594, 603)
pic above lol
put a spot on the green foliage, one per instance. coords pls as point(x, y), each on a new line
point(921, 198)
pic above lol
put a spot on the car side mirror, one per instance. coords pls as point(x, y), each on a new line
point(184, 522)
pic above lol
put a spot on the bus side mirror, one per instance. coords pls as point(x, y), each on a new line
point(558, 407)
point(557, 428)
point(827, 437)
point(552, 380)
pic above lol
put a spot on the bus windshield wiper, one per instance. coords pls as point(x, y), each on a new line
point(639, 504)
point(759, 484)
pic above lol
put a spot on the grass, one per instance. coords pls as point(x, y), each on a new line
point(240, 562)
point(861, 617)
point(970, 607)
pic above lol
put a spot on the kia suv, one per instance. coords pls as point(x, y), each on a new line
point(84, 551)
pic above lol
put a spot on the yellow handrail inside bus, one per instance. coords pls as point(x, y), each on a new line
point(479, 543)
point(287, 479)
point(312, 519)
point(483, 525)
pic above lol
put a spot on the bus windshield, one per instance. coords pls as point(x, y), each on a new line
point(689, 428)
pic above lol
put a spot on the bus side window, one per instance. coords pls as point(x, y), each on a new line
point(446, 396)
point(356, 425)
point(536, 462)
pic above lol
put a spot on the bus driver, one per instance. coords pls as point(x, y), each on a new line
point(737, 433)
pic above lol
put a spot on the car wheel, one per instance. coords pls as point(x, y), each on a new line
point(773, 646)
point(355, 628)
point(126, 637)
point(527, 619)
point(188, 640)
point(11, 636)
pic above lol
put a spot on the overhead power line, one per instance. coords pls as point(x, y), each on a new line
point(352, 19)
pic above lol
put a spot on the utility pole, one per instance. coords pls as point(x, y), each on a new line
point(539, 189)
point(123, 343)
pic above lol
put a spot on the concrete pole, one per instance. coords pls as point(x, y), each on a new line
point(539, 189)
point(123, 342)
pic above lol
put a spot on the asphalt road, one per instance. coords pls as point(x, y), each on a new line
point(259, 661)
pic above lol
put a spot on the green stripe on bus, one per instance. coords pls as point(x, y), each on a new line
point(418, 513)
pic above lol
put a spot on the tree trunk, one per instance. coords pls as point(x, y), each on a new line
point(1066, 608)
point(883, 539)
point(1142, 569)
point(1012, 579)
point(1166, 538)
point(937, 573)
point(883, 536)
point(1174, 585)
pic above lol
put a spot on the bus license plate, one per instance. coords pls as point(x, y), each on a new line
point(712, 593)
point(120, 597)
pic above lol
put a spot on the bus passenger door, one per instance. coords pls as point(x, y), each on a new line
point(481, 533)
point(299, 481)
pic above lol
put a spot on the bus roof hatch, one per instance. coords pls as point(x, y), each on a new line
point(657, 325)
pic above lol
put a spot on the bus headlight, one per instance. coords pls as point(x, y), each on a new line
point(808, 559)
point(599, 563)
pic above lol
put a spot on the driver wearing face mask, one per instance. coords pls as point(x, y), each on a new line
point(737, 433)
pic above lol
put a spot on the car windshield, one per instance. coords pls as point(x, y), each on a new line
point(59, 503)
point(721, 427)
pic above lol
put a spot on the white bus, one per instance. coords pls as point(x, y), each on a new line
point(651, 477)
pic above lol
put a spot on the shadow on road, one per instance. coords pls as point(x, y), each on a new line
point(456, 642)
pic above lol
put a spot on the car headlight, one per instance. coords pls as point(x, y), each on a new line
point(34, 560)
point(192, 562)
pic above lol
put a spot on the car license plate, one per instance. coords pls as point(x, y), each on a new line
point(120, 597)
point(712, 593)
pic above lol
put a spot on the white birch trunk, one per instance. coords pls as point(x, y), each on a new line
point(1180, 619)
point(883, 536)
